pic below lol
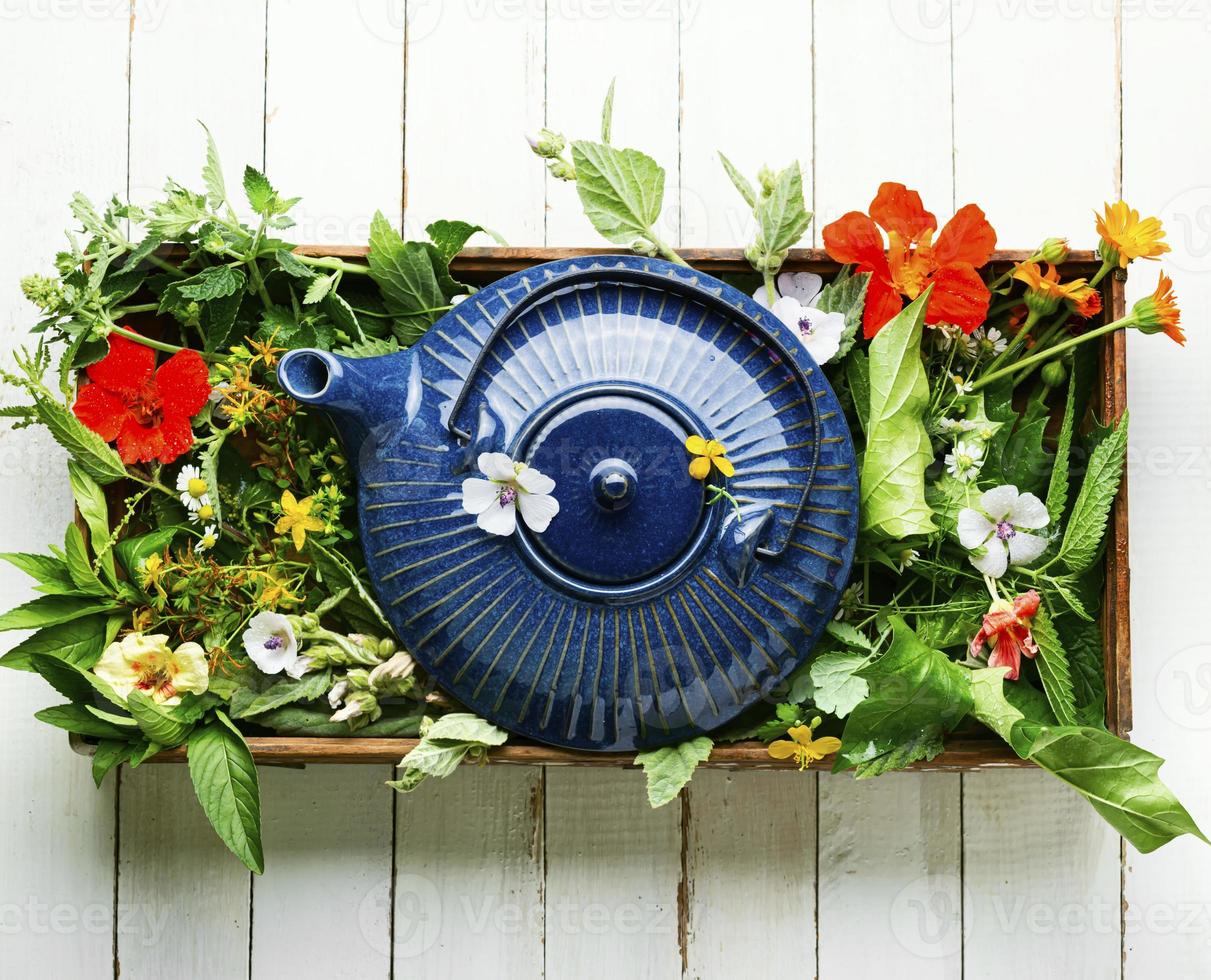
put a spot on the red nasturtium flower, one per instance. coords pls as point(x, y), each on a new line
point(1006, 630)
point(913, 260)
point(146, 410)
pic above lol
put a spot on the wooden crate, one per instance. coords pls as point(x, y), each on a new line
point(969, 749)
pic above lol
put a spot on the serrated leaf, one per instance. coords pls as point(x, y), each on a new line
point(343, 316)
point(405, 274)
point(1087, 525)
point(260, 193)
point(80, 642)
point(898, 450)
point(51, 610)
point(225, 781)
point(160, 723)
point(782, 214)
point(621, 191)
point(87, 448)
point(846, 295)
point(76, 555)
point(212, 283)
point(49, 572)
point(739, 181)
point(76, 718)
point(1053, 668)
point(212, 173)
point(90, 500)
point(838, 688)
point(318, 289)
point(668, 769)
point(289, 263)
point(286, 690)
point(449, 237)
point(372, 347)
point(1057, 489)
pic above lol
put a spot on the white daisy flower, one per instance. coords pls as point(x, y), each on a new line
point(945, 334)
point(985, 343)
point(998, 535)
point(962, 385)
point(819, 332)
point(205, 512)
point(950, 426)
point(908, 557)
point(510, 487)
point(192, 487)
point(964, 462)
point(209, 538)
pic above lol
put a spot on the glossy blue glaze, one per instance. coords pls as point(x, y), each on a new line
point(641, 616)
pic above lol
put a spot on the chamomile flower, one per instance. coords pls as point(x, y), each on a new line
point(908, 557)
point(985, 342)
point(964, 462)
point(949, 426)
point(851, 599)
point(962, 385)
point(204, 514)
point(192, 488)
point(209, 538)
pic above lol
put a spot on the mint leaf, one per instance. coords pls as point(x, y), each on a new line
point(80, 642)
point(622, 191)
point(225, 781)
point(49, 572)
point(212, 283)
point(668, 769)
point(160, 723)
point(449, 237)
point(1087, 524)
point(782, 215)
point(87, 448)
point(287, 690)
point(1052, 662)
point(443, 747)
point(846, 294)
point(318, 289)
point(405, 273)
point(260, 192)
point(1057, 490)
point(897, 452)
point(212, 173)
point(51, 610)
point(289, 263)
point(917, 694)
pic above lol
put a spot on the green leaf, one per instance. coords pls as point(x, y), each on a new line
point(74, 682)
point(621, 191)
point(449, 237)
point(261, 195)
point(287, 690)
point(76, 718)
point(449, 740)
point(78, 564)
point(1053, 668)
point(917, 694)
point(1083, 641)
point(90, 499)
point(216, 320)
point(846, 294)
point(782, 214)
point(462, 726)
point(291, 265)
point(212, 283)
point(668, 769)
point(51, 573)
point(739, 181)
point(87, 448)
point(1057, 490)
point(405, 273)
point(212, 173)
point(396, 722)
point(1087, 525)
point(110, 753)
point(1024, 461)
point(607, 113)
point(319, 288)
point(50, 610)
point(160, 723)
point(838, 687)
point(897, 446)
point(857, 373)
point(80, 642)
point(988, 700)
point(374, 347)
point(335, 569)
point(225, 781)
point(132, 552)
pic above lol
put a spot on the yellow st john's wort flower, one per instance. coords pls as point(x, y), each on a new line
point(1126, 236)
point(148, 664)
point(296, 518)
point(802, 747)
point(707, 454)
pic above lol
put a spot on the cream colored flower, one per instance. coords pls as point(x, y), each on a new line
point(148, 664)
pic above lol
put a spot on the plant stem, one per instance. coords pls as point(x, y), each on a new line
point(667, 250)
point(158, 344)
point(770, 294)
point(338, 265)
point(1045, 355)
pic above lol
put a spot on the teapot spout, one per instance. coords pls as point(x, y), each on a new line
point(371, 400)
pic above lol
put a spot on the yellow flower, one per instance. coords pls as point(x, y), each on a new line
point(296, 518)
point(802, 747)
point(1158, 313)
point(1044, 289)
point(707, 454)
point(147, 664)
point(1125, 236)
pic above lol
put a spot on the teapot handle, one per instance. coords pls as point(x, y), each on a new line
point(654, 280)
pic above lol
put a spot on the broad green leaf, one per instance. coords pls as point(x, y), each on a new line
point(160, 723)
point(110, 753)
point(1087, 525)
point(897, 446)
point(76, 718)
point(225, 781)
point(1053, 668)
point(622, 191)
point(216, 320)
point(462, 726)
point(75, 553)
point(287, 690)
point(80, 642)
point(668, 769)
point(739, 181)
point(838, 688)
point(132, 552)
point(212, 173)
point(396, 722)
point(1057, 489)
point(917, 695)
point(291, 265)
point(90, 499)
point(405, 273)
point(988, 700)
point(50, 610)
point(1024, 462)
point(607, 113)
point(75, 683)
point(87, 448)
point(449, 237)
point(49, 572)
point(449, 740)
point(782, 214)
point(1120, 780)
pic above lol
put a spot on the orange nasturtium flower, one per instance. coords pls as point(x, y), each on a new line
point(802, 747)
point(913, 261)
point(707, 454)
point(1158, 313)
point(1125, 236)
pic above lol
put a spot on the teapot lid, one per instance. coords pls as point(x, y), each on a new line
point(641, 615)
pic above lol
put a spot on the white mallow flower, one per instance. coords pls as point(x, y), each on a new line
point(510, 487)
point(819, 332)
point(192, 487)
point(998, 535)
point(270, 643)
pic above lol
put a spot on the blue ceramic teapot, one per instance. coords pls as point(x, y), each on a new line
point(643, 614)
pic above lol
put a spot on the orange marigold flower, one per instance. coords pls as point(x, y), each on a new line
point(1044, 289)
point(1089, 304)
point(912, 261)
point(1158, 313)
point(1125, 236)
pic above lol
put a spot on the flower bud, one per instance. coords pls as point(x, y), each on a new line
point(1053, 374)
point(337, 694)
point(547, 144)
point(398, 668)
point(43, 292)
point(1053, 250)
point(767, 179)
point(360, 709)
point(561, 170)
point(641, 246)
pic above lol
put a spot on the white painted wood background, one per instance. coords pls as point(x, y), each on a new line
point(1036, 109)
